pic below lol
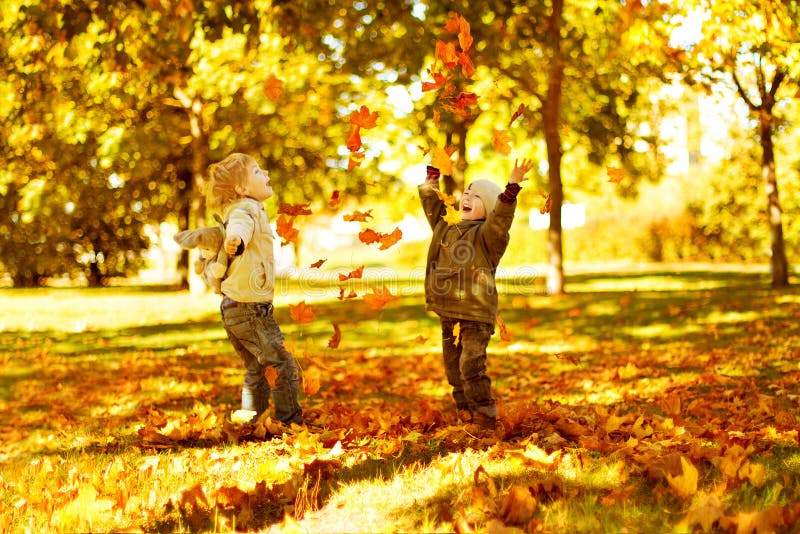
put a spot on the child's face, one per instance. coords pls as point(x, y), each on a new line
point(472, 207)
point(256, 184)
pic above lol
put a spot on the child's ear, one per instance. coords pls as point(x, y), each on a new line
point(240, 190)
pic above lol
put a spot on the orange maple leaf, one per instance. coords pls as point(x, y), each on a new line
point(467, 66)
point(517, 114)
point(334, 341)
point(286, 230)
point(301, 313)
point(360, 216)
point(350, 295)
point(453, 23)
point(438, 82)
point(444, 197)
point(501, 141)
point(294, 210)
point(356, 158)
point(363, 118)
point(505, 333)
point(379, 298)
point(387, 240)
point(317, 264)
point(271, 374)
point(273, 87)
point(369, 236)
point(548, 203)
point(615, 175)
point(335, 199)
point(464, 100)
point(354, 139)
point(355, 273)
point(446, 51)
point(311, 378)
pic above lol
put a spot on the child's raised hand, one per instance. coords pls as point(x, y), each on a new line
point(519, 171)
point(232, 244)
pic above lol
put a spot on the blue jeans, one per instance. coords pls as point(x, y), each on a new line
point(258, 340)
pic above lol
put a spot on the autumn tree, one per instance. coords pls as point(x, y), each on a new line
point(753, 46)
point(581, 70)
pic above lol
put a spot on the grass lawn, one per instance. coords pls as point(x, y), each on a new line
point(641, 401)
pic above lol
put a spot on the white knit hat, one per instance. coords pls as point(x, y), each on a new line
point(488, 192)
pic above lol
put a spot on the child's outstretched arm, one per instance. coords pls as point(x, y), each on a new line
point(433, 205)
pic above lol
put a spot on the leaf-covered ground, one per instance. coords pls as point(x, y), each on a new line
point(639, 402)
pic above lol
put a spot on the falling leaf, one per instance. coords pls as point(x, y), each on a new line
point(456, 333)
point(271, 374)
point(464, 100)
point(441, 160)
point(501, 141)
point(355, 273)
point(369, 236)
point(273, 88)
point(505, 334)
point(379, 298)
point(293, 210)
point(311, 381)
point(284, 226)
point(548, 203)
point(615, 175)
point(685, 484)
point(351, 295)
point(363, 118)
point(439, 81)
point(388, 240)
point(317, 264)
point(451, 216)
point(356, 158)
point(354, 139)
point(301, 313)
point(359, 216)
point(335, 199)
point(517, 114)
point(333, 342)
point(446, 52)
point(453, 22)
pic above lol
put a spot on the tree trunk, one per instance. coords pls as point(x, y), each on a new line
point(199, 166)
point(551, 121)
point(184, 206)
point(779, 263)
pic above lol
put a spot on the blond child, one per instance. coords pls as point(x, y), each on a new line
point(238, 187)
point(460, 285)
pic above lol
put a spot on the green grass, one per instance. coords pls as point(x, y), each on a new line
point(85, 372)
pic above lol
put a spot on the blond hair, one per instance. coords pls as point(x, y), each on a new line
point(224, 176)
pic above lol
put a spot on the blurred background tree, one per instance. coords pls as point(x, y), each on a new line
point(112, 112)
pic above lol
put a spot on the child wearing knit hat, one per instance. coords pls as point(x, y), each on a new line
point(460, 286)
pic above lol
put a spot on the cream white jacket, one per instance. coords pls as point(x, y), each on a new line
point(251, 275)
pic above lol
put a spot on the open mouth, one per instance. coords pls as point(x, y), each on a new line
point(466, 209)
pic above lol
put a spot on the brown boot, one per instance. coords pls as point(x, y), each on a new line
point(484, 421)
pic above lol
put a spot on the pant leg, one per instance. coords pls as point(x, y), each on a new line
point(475, 338)
point(275, 354)
point(255, 388)
point(451, 354)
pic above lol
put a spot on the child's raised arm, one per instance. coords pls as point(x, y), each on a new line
point(519, 171)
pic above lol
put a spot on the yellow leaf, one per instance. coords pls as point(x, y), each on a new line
point(519, 505)
point(705, 511)
point(753, 472)
point(685, 484)
point(615, 175)
point(451, 216)
point(456, 333)
point(501, 141)
point(441, 160)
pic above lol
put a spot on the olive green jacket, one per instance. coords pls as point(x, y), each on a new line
point(462, 260)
